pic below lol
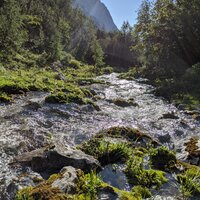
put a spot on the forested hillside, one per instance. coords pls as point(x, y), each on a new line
point(41, 39)
point(47, 30)
point(167, 44)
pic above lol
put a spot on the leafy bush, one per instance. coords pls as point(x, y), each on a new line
point(66, 59)
point(107, 70)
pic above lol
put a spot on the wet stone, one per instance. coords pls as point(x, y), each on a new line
point(114, 176)
point(164, 138)
point(67, 183)
point(193, 149)
point(170, 115)
point(55, 157)
point(107, 193)
point(124, 103)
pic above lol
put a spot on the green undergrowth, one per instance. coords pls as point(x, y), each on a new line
point(107, 151)
point(64, 85)
point(114, 146)
point(190, 181)
point(138, 175)
point(163, 159)
point(88, 187)
point(144, 167)
point(130, 75)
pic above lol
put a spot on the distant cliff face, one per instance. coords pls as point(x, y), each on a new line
point(98, 12)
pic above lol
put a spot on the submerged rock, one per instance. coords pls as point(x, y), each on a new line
point(170, 115)
point(124, 103)
point(55, 157)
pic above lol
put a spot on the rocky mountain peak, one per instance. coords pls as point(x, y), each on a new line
point(98, 12)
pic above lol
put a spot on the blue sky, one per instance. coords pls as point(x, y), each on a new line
point(123, 10)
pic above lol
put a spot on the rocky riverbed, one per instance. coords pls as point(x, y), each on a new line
point(38, 139)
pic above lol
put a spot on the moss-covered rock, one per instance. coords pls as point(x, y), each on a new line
point(124, 103)
point(138, 175)
point(4, 98)
point(192, 148)
point(43, 191)
point(130, 75)
point(162, 158)
point(106, 150)
point(64, 85)
point(141, 192)
point(131, 134)
point(62, 97)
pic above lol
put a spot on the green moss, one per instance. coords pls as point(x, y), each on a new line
point(137, 175)
point(22, 80)
point(162, 158)
point(129, 133)
point(62, 97)
point(4, 98)
point(74, 64)
point(107, 151)
point(42, 191)
point(189, 101)
point(141, 192)
point(123, 195)
point(190, 181)
point(91, 185)
point(24, 194)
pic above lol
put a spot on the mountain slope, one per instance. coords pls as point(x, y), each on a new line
point(98, 12)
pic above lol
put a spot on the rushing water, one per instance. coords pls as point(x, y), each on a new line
point(29, 123)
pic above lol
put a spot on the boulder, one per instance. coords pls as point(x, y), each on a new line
point(55, 157)
point(68, 181)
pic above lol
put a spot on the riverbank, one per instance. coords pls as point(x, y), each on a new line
point(182, 92)
point(30, 123)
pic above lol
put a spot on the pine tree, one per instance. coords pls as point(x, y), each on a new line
point(12, 34)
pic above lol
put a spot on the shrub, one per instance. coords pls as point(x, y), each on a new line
point(107, 70)
point(74, 64)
